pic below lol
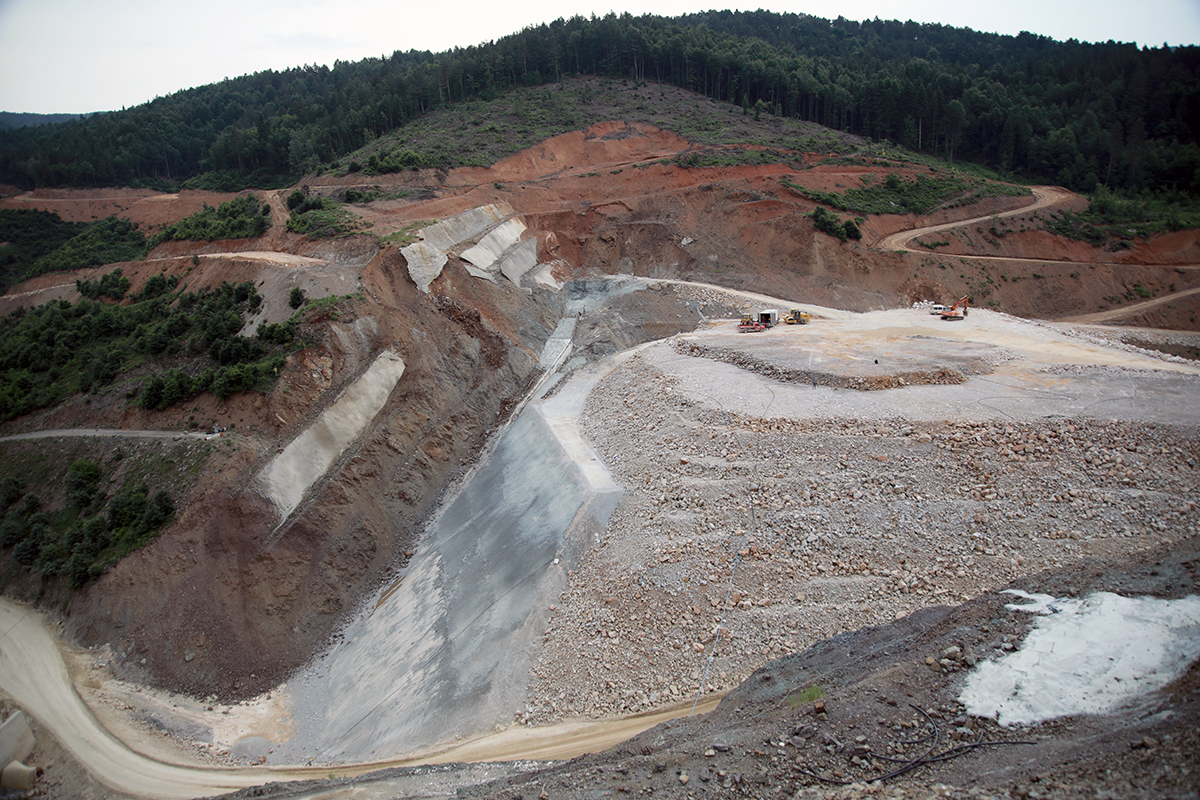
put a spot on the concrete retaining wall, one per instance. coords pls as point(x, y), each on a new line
point(485, 254)
point(447, 233)
point(309, 455)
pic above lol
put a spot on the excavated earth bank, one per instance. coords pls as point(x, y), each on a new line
point(910, 504)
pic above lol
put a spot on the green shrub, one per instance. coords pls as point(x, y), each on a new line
point(83, 482)
point(241, 217)
point(828, 222)
point(111, 284)
point(11, 531)
point(11, 489)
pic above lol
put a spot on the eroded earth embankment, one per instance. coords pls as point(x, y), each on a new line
point(240, 601)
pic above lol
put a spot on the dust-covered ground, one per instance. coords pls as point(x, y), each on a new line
point(770, 511)
point(833, 558)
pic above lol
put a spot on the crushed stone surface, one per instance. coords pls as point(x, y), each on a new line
point(744, 537)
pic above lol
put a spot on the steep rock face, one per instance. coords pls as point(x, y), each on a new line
point(238, 601)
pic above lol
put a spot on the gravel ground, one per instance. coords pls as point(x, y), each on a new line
point(776, 536)
point(743, 538)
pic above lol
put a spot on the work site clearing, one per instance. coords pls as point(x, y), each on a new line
point(768, 514)
point(817, 519)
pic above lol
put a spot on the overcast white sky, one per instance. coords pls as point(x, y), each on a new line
point(60, 56)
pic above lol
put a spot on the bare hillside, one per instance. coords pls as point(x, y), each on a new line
point(920, 465)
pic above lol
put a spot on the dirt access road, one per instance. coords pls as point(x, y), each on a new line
point(1046, 196)
point(33, 673)
point(104, 433)
point(1129, 311)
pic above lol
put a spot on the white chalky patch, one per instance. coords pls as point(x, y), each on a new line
point(1086, 656)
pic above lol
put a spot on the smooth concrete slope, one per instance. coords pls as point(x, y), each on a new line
point(519, 261)
point(491, 247)
point(446, 651)
point(289, 475)
point(426, 258)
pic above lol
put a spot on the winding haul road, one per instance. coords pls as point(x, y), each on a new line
point(1046, 196)
point(33, 673)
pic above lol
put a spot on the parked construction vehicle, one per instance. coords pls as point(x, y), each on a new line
point(958, 310)
point(797, 317)
point(767, 318)
point(750, 325)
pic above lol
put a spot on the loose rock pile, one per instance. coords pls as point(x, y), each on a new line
point(740, 539)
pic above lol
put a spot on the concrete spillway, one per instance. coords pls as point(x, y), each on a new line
point(447, 650)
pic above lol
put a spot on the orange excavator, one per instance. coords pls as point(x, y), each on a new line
point(958, 310)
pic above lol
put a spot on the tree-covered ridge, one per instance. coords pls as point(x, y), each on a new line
point(38, 242)
point(1074, 113)
point(56, 350)
point(242, 217)
point(27, 235)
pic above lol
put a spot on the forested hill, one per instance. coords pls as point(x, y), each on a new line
point(10, 120)
point(1073, 113)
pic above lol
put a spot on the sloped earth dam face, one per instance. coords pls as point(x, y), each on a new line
point(447, 650)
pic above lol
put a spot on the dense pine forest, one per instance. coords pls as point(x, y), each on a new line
point(1078, 114)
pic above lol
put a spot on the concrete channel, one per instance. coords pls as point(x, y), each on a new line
point(445, 650)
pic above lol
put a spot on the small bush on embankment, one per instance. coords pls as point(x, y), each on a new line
point(320, 217)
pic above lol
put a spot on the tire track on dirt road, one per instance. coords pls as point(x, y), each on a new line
point(1046, 196)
